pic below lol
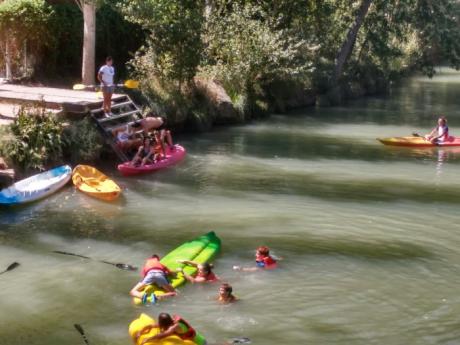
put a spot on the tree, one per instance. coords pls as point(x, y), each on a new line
point(88, 69)
point(347, 47)
point(23, 32)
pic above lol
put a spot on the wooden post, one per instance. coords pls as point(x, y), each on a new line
point(25, 58)
point(8, 61)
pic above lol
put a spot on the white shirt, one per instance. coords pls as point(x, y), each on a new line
point(107, 74)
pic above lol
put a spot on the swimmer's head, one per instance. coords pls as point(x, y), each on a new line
point(225, 289)
point(165, 321)
point(263, 251)
point(205, 268)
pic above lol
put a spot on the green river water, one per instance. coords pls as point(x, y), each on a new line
point(369, 234)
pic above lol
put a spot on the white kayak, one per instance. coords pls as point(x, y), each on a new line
point(36, 187)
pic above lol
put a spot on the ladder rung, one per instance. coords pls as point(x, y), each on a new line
point(94, 111)
point(119, 105)
point(115, 117)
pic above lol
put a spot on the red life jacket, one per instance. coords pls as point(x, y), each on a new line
point(154, 264)
point(269, 262)
point(210, 277)
point(190, 334)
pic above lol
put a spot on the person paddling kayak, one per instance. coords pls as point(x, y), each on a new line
point(440, 133)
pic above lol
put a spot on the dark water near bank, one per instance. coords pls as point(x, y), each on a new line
point(369, 234)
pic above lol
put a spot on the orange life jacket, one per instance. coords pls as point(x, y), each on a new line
point(154, 264)
point(189, 334)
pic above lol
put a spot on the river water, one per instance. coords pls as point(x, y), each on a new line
point(369, 234)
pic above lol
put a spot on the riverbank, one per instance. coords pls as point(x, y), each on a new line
point(344, 211)
point(205, 105)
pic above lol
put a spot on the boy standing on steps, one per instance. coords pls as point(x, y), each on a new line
point(105, 76)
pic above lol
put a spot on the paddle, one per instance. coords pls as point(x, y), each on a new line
point(11, 267)
point(82, 332)
point(118, 265)
point(130, 84)
point(241, 340)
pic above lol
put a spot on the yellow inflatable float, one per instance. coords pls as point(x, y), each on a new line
point(144, 321)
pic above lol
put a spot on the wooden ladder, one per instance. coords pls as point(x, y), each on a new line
point(125, 112)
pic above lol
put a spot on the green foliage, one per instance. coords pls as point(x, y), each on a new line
point(174, 46)
point(23, 21)
point(243, 49)
point(55, 31)
point(81, 142)
point(35, 139)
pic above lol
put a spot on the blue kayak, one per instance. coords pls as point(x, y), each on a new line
point(36, 187)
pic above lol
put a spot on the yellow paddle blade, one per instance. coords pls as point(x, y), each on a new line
point(79, 87)
point(99, 94)
point(131, 84)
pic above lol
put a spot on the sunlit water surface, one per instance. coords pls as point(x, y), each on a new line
point(369, 234)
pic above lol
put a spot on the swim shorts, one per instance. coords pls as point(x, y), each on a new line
point(108, 89)
point(155, 277)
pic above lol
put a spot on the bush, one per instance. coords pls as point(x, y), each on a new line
point(35, 139)
point(81, 142)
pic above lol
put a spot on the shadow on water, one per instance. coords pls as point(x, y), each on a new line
point(269, 143)
point(257, 178)
point(333, 245)
point(362, 248)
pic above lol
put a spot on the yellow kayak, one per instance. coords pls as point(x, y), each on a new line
point(144, 321)
point(91, 181)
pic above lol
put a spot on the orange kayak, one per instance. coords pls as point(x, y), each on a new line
point(418, 142)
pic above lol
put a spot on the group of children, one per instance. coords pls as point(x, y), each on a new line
point(156, 273)
point(148, 137)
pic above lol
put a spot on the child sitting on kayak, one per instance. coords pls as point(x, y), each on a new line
point(203, 275)
point(263, 261)
point(153, 273)
point(124, 137)
point(145, 154)
point(440, 133)
point(168, 326)
point(225, 294)
point(158, 124)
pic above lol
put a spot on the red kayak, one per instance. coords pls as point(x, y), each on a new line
point(173, 156)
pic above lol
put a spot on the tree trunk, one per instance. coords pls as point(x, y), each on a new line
point(347, 46)
point(207, 9)
point(89, 42)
